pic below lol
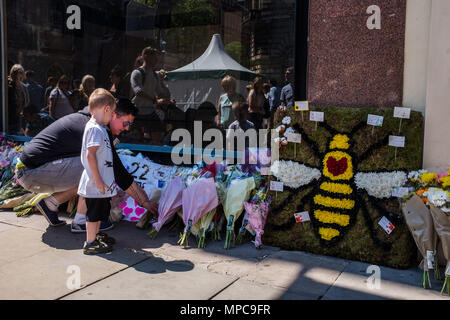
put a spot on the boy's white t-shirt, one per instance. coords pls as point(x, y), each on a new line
point(96, 135)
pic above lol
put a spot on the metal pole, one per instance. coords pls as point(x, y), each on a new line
point(4, 63)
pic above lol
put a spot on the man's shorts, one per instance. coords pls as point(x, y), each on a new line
point(56, 176)
point(98, 209)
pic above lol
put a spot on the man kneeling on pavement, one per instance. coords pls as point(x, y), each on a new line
point(51, 163)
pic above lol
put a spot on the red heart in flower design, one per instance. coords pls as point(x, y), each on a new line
point(335, 167)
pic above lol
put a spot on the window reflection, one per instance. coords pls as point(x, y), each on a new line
point(194, 45)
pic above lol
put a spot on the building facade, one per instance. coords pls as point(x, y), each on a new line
point(360, 53)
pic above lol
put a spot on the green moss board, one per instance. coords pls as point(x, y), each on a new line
point(357, 244)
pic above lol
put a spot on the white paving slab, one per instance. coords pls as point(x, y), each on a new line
point(4, 226)
point(18, 243)
point(156, 279)
point(248, 290)
point(35, 221)
point(355, 283)
point(46, 274)
point(298, 273)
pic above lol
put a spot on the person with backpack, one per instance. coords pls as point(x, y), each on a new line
point(147, 90)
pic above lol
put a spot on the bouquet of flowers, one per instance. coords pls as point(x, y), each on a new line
point(420, 224)
point(245, 226)
point(442, 226)
point(238, 192)
point(29, 205)
point(11, 189)
point(16, 201)
point(169, 203)
point(216, 231)
point(202, 227)
point(195, 207)
point(258, 209)
point(432, 187)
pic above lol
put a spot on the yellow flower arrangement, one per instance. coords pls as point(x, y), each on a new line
point(445, 182)
point(340, 141)
point(428, 177)
point(334, 203)
point(331, 217)
point(336, 188)
point(328, 233)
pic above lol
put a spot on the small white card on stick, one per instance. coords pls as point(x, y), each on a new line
point(276, 186)
point(397, 141)
point(301, 105)
point(316, 116)
point(402, 113)
point(294, 137)
point(374, 120)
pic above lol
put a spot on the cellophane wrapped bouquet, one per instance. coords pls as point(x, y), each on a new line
point(258, 209)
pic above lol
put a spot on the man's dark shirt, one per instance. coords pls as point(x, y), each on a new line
point(63, 139)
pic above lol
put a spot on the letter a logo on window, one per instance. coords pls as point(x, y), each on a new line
point(74, 20)
point(374, 21)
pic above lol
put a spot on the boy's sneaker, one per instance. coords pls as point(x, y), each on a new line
point(51, 216)
point(96, 247)
point(77, 228)
point(103, 237)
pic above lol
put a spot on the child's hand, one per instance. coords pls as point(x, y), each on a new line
point(101, 186)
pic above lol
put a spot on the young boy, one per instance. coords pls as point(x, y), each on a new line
point(240, 111)
point(97, 183)
point(35, 121)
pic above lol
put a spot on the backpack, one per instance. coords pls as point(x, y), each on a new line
point(142, 71)
point(144, 74)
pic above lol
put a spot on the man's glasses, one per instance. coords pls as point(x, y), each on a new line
point(127, 124)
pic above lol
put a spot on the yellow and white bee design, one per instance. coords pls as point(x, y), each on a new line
point(335, 198)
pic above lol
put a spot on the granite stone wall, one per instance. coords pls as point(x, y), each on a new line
point(350, 64)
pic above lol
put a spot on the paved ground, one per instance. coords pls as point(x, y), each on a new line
point(37, 262)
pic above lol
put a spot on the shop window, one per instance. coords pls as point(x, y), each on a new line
point(111, 38)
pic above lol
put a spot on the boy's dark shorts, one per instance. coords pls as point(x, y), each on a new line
point(98, 209)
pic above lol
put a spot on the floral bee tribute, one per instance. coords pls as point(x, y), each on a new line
point(337, 190)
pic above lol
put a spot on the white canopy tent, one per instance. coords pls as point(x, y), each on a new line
point(200, 80)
